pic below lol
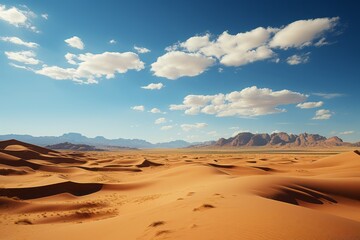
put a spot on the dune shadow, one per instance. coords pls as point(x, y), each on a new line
point(76, 189)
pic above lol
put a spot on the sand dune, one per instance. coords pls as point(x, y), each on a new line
point(177, 194)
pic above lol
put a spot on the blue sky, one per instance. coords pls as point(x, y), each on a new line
point(166, 70)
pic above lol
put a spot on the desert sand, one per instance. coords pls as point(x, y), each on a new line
point(178, 194)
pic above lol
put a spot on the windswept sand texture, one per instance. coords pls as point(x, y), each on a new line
point(45, 194)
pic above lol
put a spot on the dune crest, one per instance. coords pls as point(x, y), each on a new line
point(180, 194)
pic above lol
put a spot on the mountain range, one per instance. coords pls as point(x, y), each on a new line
point(244, 139)
point(248, 139)
point(99, 141)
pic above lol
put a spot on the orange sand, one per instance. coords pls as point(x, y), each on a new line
point(182, 194)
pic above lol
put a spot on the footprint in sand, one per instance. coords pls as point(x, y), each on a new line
point(23, 222)
point(205, 206)
point(162, 232)
point(218, 194)
point(157, 223)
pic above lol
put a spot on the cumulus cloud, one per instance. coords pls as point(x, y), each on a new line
point(90, 67)
point(188, 127)
point(231, 50)
point(176, 64)
point(251, 101)
point(160, 121)
point(236, 59)
point(141, 49)
point(322, 114)
point(75, 42)
point(12, 15)
point(140, 108)
point(306, 105)
point(195, 43)
point(18, 17)
point(153, 86)
point(303, 32)
point(298, 59)
point(328, 95)
point(243, 48)
point(58, 73)
point(26, 57)
point(70, 57)
point(237, 44)
point(108, 63)
point(45, 16)
point(18, 41)
point(165, 128)
point(155, 110)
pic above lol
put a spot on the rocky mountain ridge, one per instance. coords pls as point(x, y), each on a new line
point(248, 139)
point(98, 142)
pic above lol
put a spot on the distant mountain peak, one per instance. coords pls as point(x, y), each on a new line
point(280, 139)
point(98, 142)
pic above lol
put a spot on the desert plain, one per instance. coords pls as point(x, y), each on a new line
point(253, 193)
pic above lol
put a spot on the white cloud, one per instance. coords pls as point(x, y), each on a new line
point(233, 50)
point(75, 42)
point(18, 17)
point(212, 133)
point(58, 73)
point(303, 32)
point(112, 41)
point(194, 44)
point(322, 114)
point(188, 127)
point(160, 121)
point(153, 86)
point(174, 65)
point(45, 16)
point(26, 57)
point(321, 42)
point(310, 105)
point(243, 48)
point(155, 110)
point(236, 44)
point(298, 59)
point(140, 108)
point(70, 57)
point(328, 95)
point(108, 63)
point(18, 41)
point(346, 132)
point(90, 66)
point(12, 15)
point(276, 60)
point(239, 58)
point(251, 101)
point(21, 67)
point(141, 49)
point(165, 128)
